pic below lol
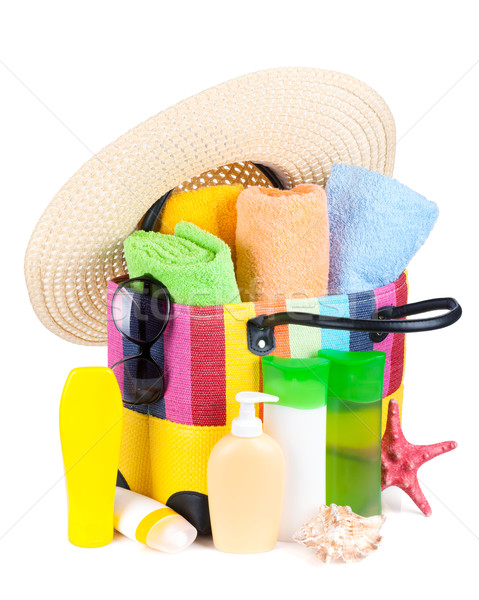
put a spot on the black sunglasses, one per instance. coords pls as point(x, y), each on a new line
point(140, 310)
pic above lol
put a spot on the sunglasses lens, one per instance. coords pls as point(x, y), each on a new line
point(140, 310)
point(140, 380)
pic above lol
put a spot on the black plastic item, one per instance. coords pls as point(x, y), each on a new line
point(193, 506)
point(270, 175)
point(152, 214)
point(121, 481)
point(260, 329)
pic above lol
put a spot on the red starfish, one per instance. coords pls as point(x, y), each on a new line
point(400, 460)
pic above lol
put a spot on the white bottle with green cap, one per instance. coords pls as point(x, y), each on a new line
point(298, 423)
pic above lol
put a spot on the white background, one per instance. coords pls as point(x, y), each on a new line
point(75, 76)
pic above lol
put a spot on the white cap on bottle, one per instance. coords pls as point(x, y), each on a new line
point(248, 424)
point(171, 534)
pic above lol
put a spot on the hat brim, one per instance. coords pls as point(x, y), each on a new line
point(297, 121)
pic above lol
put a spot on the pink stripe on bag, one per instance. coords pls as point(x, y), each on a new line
point(177, 366)
point(386, 297)
point(397, 350)
point(208, 370)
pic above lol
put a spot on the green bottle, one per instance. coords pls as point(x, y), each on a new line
point(353, 430)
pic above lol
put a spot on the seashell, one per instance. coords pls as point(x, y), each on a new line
point(338, 533)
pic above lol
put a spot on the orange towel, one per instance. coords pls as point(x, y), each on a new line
point(282, 243)
point(210, 208)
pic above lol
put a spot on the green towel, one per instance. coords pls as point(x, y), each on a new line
point(195, 265)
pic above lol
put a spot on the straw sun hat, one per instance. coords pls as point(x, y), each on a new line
point(296, 122)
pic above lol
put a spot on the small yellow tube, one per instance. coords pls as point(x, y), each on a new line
point(151, 523)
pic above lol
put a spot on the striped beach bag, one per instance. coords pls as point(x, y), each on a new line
point(209, 354)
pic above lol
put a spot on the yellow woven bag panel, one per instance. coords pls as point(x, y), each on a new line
point(135, 452)
point(179, 456)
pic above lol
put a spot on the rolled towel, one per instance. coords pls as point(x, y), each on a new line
point(211, 208)
point(376, 226)
point(282, 243)
point(195, 265)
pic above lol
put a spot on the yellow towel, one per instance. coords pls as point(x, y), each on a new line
point(210, 208)
point(282, 243)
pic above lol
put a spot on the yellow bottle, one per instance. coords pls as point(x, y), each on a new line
point(246, 483)
point(91, 413)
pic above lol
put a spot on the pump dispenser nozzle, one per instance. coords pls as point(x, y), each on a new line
point(247, 424)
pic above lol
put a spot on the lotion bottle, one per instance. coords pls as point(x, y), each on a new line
point(151, 523)
point(91, 413)
point(245, 483)
point(298, 423)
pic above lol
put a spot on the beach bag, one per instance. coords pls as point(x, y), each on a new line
point(209, 354)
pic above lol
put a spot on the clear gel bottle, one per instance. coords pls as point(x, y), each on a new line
point(353, 430)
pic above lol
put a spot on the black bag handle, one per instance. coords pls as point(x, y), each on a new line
point(260, 329)
point(152, 214)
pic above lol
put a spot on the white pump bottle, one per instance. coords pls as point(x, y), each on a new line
point(246, 483)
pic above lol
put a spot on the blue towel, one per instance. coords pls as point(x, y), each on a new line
point(376, 226)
